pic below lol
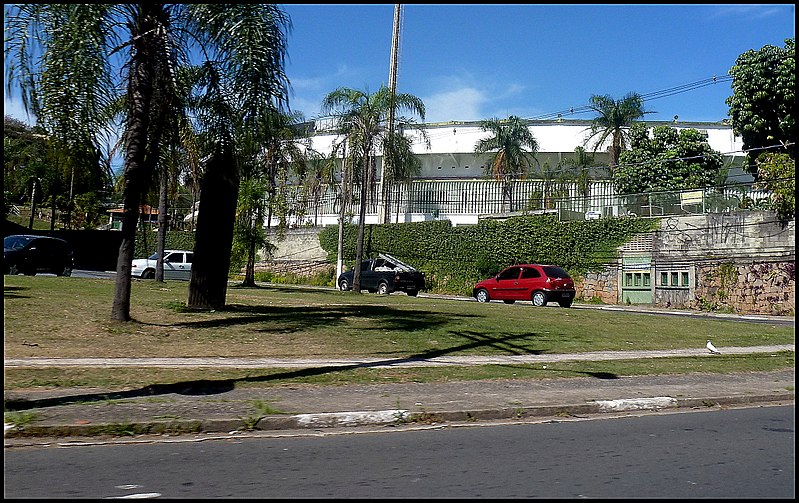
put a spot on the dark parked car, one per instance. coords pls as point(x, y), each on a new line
point(383, 275)
point(29, 254)
point(537, 283)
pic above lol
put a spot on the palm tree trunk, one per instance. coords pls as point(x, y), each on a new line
point(356, 275)
point(214, 236)
point(162, 224)
point(249, 270)
point(140, 93)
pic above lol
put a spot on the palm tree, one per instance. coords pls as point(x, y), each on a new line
point(72, 84)
point(68, 80)
point(248, 84)
point(508, 141)
point(613, 122)
point(286, 152)
point(404, 164)
point(361, 118)
point(578, 168)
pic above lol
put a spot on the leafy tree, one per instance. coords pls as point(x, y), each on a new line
point(361, 118)
point(764, 99)
point(513, 147)
point(668, 160)
point(68, 81)
point(614, 120)
point(776, 173)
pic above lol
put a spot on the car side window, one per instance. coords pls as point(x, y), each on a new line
point(512, 273)
point(174, 258)
point(529, 273)
point(189, 258)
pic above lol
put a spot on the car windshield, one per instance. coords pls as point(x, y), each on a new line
point(555, 272)
point(16, 242)
point(154, 256)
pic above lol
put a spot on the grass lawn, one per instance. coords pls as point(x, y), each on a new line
point(47, 316)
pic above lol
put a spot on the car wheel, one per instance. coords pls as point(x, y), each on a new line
point(539, 299)
point(148, 274)
point(482, 295)
point(343, 285)
point(508, 301)
point(382, 289)
point(565, 303)
point(412, 293)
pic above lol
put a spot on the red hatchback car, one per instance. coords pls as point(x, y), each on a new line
point(537, 283)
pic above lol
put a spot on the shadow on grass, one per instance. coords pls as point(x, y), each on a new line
point(211, 387)
point(12, 292)
point(296, 319)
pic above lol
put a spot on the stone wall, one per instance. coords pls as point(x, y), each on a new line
point(759, 287)
point(601, 286)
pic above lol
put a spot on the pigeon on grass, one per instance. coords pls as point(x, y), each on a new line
point(710, 347)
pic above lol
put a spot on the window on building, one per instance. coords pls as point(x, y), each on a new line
point(684, 276)
point(664, 279)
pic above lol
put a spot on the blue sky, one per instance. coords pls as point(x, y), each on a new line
point(477, 61)
point(473, 61)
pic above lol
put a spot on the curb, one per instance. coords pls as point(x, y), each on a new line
point(384, 418)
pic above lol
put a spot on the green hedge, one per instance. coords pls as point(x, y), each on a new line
point(454, 258)
point(147, 242)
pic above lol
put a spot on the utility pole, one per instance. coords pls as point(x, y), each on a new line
point(388, 167)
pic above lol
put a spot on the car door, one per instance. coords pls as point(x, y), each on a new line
point(529, 281)
point(40, 255)
point(175, 266)
point(507, 285)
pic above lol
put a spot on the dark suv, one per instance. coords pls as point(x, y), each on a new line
point(537, 283)
point(28, 254)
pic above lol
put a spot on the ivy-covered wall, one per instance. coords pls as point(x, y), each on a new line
point(455, 258)
point(147, 242)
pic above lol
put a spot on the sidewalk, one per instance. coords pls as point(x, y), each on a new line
point(221, 407)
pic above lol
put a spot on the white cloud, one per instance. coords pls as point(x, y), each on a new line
point(748, 11)
point(462, 104)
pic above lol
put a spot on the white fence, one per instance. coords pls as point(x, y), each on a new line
point(466, 201)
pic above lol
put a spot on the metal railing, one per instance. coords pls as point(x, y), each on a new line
point(465, 199)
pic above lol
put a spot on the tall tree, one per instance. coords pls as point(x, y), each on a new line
point(614, 120)
point(513, 149)
point(668, 160)
point(61, 59)
point(763, 100)
point(67, 79)
point(579, 168)
point(250, 43)
point(361, 117)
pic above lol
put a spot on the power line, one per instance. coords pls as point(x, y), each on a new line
point(645, 97)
